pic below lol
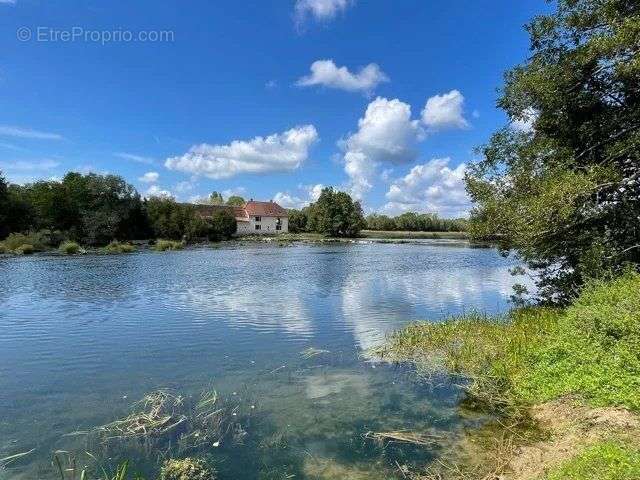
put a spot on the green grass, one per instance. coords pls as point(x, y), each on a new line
point(117, 247)
point(591, 349)
point(70, 248)
point(603, 461)
point(164, 245)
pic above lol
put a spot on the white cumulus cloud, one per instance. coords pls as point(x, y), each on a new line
point(280, 152)
point(430, 187)
point(309, 194)
point(445, 111)
point(326, 73)
point(156, 191)
point(320, 10)
point(386, 134)
point(149, 177)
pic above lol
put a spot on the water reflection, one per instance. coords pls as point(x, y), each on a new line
point(81, 338)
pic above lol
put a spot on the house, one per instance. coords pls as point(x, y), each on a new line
point(254, 218)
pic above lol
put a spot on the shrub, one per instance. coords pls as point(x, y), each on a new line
point(16, 240)
point(186, 469)
point(3, 248)
point(117, 247)
point(69, 248)
point(25, 249)
point(163, 245)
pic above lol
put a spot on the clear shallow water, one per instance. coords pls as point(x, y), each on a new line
point(82, 338)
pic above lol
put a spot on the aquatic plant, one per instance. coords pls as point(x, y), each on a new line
point(164, 245)
point(70, 248)
point(164, 419)
point(116, 247)
point(67, 469)
point(186, 469)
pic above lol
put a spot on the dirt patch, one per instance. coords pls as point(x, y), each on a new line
point(572, 426)
point(559, 430)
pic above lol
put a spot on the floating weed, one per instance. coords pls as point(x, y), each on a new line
point(313, 352)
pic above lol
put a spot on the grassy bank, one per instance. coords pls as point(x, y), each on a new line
point(590, 351)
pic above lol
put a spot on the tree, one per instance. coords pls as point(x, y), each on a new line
point(380, 222)
point(563, 190)
point(297, 220)
point(235, 201)
point(216, 198)
point(223, 225)
point(335, 213)
point(4, 207)
point(171, 220)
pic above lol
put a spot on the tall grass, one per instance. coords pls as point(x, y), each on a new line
point(24, 244)
point(163, 245)
point(116, 247)
point(70, 248)
point(591, 349)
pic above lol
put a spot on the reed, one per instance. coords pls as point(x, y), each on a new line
point(116, 247)
point(164, 245)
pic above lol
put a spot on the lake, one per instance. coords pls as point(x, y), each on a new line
point(281, 333)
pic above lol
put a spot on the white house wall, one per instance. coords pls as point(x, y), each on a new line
point(267, 226)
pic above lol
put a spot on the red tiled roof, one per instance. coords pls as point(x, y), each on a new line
point(250, 209)
point(265, 209)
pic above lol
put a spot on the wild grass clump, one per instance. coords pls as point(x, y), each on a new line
point(604, 461)
point(70, 248)
point(22, 244)
point(164, 245)
point(186, 469)
point(25, 249)
point(3, 248)
point(533, 355)
point(116, 247)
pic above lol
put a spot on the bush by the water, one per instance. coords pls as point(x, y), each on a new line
point(16, 241)
point(118, 247)
point(70, 248)
point(591, 349)
point(25, 249)
point(186, 469)
point(163, 245)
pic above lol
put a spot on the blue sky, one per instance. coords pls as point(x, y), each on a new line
point(270, 99)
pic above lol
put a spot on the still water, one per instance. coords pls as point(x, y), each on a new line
point(83, 338)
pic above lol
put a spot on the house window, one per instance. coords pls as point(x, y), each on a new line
point(258, 227)
point(258, 219)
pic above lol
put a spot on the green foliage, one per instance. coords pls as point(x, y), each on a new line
point(591, 349)
point(173, 220)
point(164, 245)
point(70, 248)
point(565, 195)
point(25, 249)
point(603, 461)
point(336, 214)
point(222, 225)
point(116, 247)
point(297, 221)
point(17, 240)
point(3, 248)
point(235, 201)
point(415, 222)
point(186, 469)
point(216, 198)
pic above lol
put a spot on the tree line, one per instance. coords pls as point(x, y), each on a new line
point(96, 209)
point(416, 222)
